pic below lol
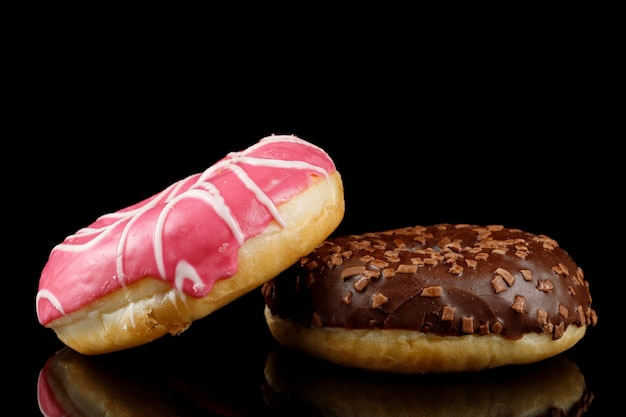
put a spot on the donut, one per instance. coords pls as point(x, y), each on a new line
point(299, 385)
point(151, 269)
point(439, 298)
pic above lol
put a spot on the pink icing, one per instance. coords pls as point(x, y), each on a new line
point(188, 235)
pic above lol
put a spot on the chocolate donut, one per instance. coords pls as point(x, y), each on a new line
point(441, 298)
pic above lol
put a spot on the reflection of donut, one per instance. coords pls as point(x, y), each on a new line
point(298, 384)
point(71, 384)
point(151, 269)
point(121, 384)
point(432, 299)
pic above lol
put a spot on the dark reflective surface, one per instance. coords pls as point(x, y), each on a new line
point(298, 385)
point(131, 384)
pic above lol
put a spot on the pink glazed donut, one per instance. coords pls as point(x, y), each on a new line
point(153, 268)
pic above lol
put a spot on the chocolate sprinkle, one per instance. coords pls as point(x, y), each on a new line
point(444, 279)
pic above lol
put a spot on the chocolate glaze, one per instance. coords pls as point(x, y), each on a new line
point(445, 279)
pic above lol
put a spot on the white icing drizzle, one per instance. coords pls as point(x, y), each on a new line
point(274, 163)
point(119, 259)
point(260, 195)
point(214, 199)
point(185, 271)
point(47, 295)
point(100, 233)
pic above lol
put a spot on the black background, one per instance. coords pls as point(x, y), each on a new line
point(469, 133)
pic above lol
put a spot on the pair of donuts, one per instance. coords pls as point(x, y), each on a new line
point(439, 298)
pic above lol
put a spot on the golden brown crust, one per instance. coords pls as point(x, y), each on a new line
point(149, 309)
point(411, 352)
